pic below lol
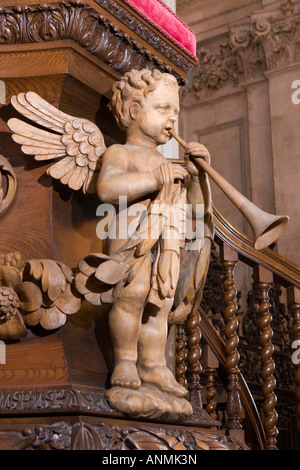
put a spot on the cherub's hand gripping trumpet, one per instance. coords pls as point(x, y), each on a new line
point(266, 228)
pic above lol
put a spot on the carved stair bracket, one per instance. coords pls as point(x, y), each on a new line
point(8, 184)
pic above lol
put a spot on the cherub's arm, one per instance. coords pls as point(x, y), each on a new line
point(116, 179)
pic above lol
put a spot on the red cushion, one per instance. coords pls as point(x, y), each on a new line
point(157, 13)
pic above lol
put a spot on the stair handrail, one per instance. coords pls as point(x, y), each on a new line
point(285, 271)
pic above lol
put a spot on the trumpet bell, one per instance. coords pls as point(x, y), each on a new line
point(266, 227)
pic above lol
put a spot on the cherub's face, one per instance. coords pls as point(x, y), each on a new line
point(158, 114)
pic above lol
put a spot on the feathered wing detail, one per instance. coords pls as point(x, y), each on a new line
point(77, 143)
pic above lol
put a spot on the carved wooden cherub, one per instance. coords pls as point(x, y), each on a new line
point(151, 278)
point(147, 105)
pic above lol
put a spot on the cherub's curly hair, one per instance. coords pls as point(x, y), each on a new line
point(131, 88)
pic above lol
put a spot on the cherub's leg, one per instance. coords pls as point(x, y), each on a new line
point(125, 323)
point(152, 366)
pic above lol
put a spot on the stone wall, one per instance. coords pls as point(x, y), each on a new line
point(241, 103)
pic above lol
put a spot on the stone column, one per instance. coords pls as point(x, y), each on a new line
point(262, 184)
point(285, 125)
point(267, 49)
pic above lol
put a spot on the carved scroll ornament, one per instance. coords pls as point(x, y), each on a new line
point(7, 193)
point(92, 31)
point(267, 41)
point(86, 436)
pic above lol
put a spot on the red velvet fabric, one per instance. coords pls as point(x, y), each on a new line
point(164, 19)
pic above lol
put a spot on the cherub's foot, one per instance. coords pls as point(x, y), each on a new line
point(162, 378)
point(125, 375)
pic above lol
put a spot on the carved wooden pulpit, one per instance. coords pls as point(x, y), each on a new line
point(58, 360)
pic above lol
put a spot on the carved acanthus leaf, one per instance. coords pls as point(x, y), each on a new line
point(157, 439)
point(214, 70)
point(101, 37)
point(56, 291)
point(268, 41)
point(85, 436)
point(32, 292)
point(99, 278)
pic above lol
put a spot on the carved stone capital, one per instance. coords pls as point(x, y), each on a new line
point(268, 41)
point(250, 56)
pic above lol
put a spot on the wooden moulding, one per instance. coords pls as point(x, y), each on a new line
point(108, 30)
point(88, 433)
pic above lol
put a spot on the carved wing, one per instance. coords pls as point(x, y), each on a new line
point(77, 143)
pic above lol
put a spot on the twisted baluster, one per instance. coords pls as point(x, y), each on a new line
point(211, 393)
point(180, 356)
point(264, 279)
point(234, 406)
point(294, 306)
point(194, 356)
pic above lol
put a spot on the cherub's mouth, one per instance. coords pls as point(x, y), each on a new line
point(167, 132)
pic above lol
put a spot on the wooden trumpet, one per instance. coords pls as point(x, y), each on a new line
point(266, 227)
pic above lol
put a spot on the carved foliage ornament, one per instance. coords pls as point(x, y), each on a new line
point(34, 292)
point(269, 40)
point(214, 70)
point(77, 21)
point(70, 20)
point(85, 436)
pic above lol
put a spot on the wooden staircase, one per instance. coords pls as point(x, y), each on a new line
point(250, 409)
